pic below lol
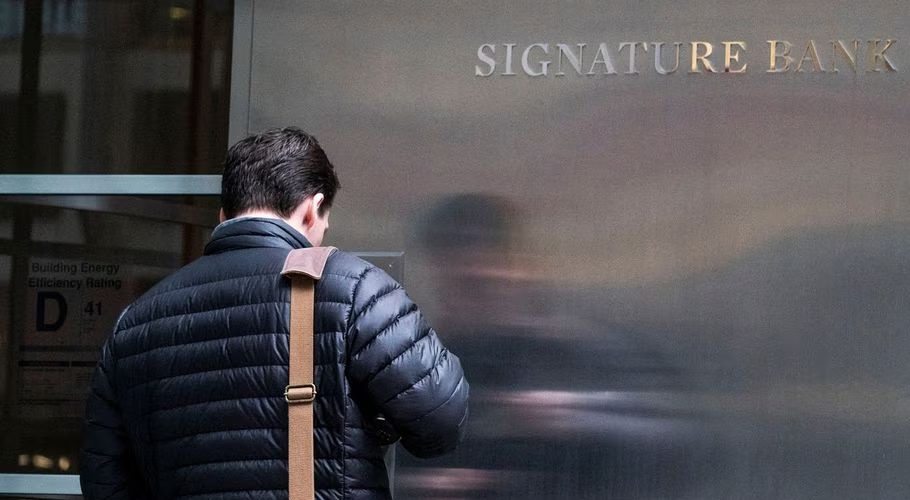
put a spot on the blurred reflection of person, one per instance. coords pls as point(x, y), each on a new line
point(560, 405)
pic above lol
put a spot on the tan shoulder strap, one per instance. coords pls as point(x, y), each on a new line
point(303, 266)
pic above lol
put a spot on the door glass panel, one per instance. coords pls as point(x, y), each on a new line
point(65, 279)
point(98, 87)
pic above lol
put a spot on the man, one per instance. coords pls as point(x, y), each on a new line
point(188, 398)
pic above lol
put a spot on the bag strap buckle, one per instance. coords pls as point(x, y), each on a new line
point(303, 393)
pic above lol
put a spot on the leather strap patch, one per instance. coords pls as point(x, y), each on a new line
point(308, 261)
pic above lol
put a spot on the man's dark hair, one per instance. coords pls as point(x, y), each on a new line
point(276, 170)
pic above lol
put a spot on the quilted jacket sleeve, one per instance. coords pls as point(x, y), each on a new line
point(107, 468)
point(398, 361)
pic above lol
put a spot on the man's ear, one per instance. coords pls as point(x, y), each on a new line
point(221, 217)
point(311, 214)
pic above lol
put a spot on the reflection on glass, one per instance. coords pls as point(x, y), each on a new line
point(563, 405)
point(66, 277)
point(665, 390)
point(5, 273)
point(114, 87)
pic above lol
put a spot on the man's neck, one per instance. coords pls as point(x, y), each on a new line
point(267, 214)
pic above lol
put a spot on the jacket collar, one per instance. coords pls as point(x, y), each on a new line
point(254, 232)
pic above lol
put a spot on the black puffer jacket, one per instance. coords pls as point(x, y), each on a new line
point(187, 400)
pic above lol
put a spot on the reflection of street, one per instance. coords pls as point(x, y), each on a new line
point(451, 482)
point(560, 417)
point(589, 414)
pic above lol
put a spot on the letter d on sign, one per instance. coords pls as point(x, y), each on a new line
point(41, 321)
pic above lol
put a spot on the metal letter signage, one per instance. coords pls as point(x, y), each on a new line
point(536, 57)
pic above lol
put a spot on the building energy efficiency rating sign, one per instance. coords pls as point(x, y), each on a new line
point(71, 309)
